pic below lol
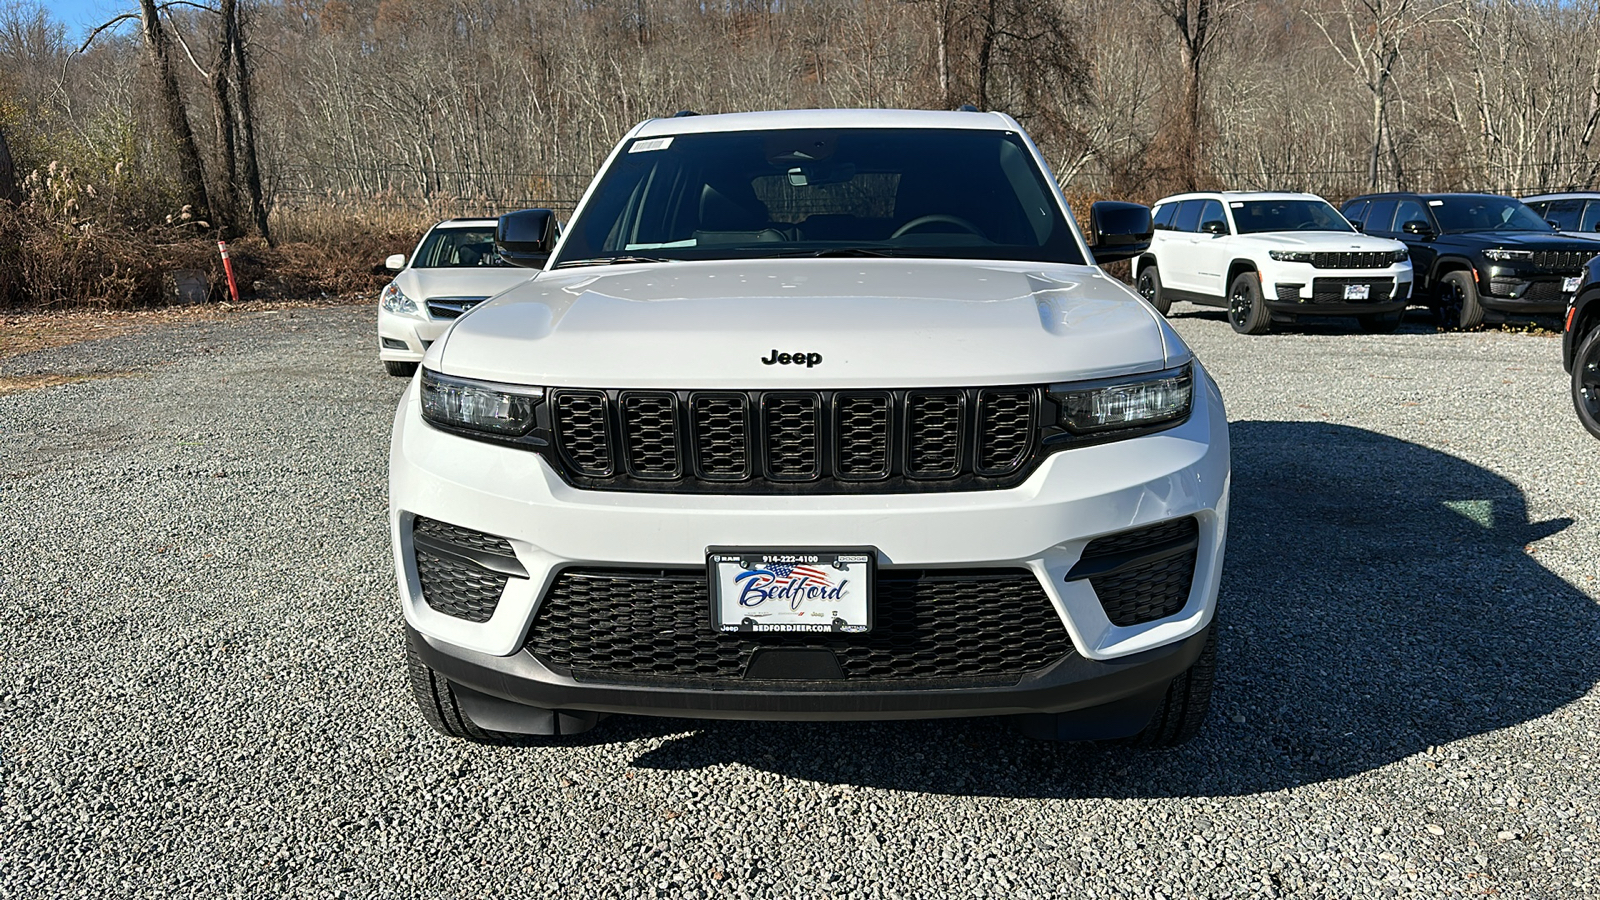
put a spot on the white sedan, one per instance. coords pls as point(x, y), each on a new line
point(455, 267)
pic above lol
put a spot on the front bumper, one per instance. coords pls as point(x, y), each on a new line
point(1042, 525)
point(1511, 290)
point(1304, 290)
point(407, 338)
point(1070, 685)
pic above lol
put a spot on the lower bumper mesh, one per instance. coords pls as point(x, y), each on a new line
point(452, 582)
point(1144, 591)
point(966, 627)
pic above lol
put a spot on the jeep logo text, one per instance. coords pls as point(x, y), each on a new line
point(792, 359)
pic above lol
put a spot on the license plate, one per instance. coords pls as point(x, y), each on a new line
point(1568, 285)
point(1357, 291)
point(761, 590)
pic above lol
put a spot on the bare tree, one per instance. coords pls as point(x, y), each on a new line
point(191, 176)
point(1198, 25)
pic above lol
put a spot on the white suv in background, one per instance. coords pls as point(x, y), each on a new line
point(454, 268)
point(1271, 256)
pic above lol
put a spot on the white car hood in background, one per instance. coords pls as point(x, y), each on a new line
point(874, 322)
point(1323, 241)
point(465, 281)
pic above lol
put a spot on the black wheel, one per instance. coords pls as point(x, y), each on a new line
point(1247, 312)
point(1586, 381)
point(400, 369)
point(439, 707)
point(1458, 301)
point(1149, 287)
point(1183, 710)
point(1382, 323)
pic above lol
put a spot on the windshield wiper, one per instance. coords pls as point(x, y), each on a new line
point(611, 261)
point(841, 251)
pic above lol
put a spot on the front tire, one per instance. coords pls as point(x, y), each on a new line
point(1149, 287)
point(1183, 710)
point(1586, 381)
point(1247, 312)
point(440, 708)
point(1459, 307)
point(400, 369)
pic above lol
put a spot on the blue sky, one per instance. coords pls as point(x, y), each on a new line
point(81, 15)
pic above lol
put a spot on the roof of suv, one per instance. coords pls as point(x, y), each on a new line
point(1563, 195)
point(1426, 196)
point(826, 118)
point(468, 223)
point(1239, 195)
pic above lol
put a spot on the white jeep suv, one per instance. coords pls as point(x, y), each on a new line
point(1271, 256)
point(455, 267)
point(814, 415)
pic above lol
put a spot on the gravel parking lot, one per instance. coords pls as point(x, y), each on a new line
point(201, 689)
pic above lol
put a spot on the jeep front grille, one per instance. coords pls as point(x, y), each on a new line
point(1565, 262)
point(1346, 259)
point(774, 440)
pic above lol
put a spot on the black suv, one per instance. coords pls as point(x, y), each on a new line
point(1472, 252)
point(1580, 347)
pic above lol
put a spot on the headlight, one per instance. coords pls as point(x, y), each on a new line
point(1502, 255)
point(1290, 255)
point(1401, 255)
point(395, 300)
point(1132, 402)
point(478, 405)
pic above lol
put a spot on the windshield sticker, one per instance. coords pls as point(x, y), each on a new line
point(652, 144)
point(662, 245)
point(1435, 202)
point(1236, 204)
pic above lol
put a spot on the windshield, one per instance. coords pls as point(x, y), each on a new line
point(1458, 215)
point(849, 191)
point(1254, 216)
point(448, 248)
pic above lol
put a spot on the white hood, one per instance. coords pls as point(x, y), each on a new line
point(1324, 241)
point(874, 322)
point(462, 281)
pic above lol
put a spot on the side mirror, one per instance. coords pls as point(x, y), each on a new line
point(1119, 230)
point(1418, 227)
point(527, 237)
point(1554, 224)
point(1357, 225)
point(1215, 227)
point(395, 263)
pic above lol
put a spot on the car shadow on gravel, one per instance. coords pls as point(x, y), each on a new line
point(1378, 598)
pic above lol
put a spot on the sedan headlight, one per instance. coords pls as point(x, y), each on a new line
point(504, 409)
point(1300, 256)
point(1136, 401)
point(1500, 254)
point(395, 300)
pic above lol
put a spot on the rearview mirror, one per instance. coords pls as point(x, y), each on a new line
point(1418, 227)
point(395, 263)
point(527, 237)
point(1119, 230)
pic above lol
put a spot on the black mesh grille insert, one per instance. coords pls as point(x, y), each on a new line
point(652, 430)
point(721, 436)
point(1289, 293)
point(791, 436)
point(1005, 429)
point(847, 441)
point(862, 424)
point(585, 433)
point(452, 585)
point(1331, 290)
point(990, 625)
point(1565, 261)
point(1152, 590)
point(1352, 260)
point(933, 434)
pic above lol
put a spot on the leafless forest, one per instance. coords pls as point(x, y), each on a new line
point(335, 128)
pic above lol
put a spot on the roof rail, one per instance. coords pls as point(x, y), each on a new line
point(683, 113)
